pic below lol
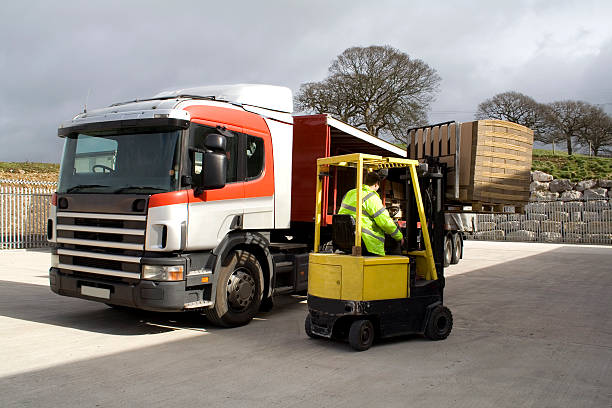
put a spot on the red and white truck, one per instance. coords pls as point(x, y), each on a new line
point(195, 199)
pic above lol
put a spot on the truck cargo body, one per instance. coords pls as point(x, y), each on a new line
point(132, 227)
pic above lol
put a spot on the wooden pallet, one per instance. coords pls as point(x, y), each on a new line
point(489, 160)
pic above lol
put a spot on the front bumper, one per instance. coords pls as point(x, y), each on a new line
point(146, 295)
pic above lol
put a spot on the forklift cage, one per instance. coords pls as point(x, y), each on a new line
point(369, 162)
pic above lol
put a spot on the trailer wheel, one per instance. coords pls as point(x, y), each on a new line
point(239, 290)
point(440, 323)
point(448, 250)
point(457, 248)
point(361, 335)
point(308, 327)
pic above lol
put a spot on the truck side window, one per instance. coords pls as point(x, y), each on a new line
point(254, 156)
point(197, 137)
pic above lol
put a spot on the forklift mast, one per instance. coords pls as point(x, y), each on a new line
point(432, 180)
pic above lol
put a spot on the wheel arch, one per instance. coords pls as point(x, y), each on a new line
point(252, 242)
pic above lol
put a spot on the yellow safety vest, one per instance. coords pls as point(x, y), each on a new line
point(375, 219)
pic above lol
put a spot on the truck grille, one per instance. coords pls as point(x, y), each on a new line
point(101, 244)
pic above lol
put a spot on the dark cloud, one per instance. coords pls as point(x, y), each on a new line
point(54, 54)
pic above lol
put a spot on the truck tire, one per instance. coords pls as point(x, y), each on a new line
point(440, 323)
point(457, 248)
point(361, 335)
point(239, 290)
point(448, 250)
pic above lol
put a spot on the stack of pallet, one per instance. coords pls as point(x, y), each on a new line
point(489, 160)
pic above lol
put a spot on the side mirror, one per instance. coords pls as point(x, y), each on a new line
point(214, 170)
point(210, 166)
point(216, 142)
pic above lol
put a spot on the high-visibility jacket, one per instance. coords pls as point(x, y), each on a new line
point(375, 219)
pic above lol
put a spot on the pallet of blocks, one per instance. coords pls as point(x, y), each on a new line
point(488, 160)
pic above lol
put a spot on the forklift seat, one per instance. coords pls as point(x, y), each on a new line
point(343, 232)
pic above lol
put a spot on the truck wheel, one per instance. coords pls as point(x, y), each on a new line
point(308, 327)
point(457, 247)
point(448, 251)
point(361, 335)
point(440, 323)
point(239, 291)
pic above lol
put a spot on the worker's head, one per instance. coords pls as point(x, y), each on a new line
point(373, 180)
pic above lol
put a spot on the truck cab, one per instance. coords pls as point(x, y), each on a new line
point(187, 200)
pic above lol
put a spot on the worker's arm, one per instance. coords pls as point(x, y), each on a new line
point(377, 211)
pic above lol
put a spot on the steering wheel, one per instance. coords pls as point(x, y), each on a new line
point(105, 169)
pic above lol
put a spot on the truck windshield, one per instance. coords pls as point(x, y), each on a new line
point(120, 163)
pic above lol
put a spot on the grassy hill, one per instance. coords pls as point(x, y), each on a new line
point(560, 165)
point(29, 171)
point(576, 167)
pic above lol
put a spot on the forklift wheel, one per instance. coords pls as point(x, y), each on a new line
point(361, 335)
point(440, 323)
point(308, 327)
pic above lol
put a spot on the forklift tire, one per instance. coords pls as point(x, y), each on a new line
point(239, 291)
point(361, 335)
point(308, 327)
point(457, 248)
point(448, 250)
point(440, 323)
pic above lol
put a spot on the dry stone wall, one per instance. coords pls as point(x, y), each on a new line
point(559, 211)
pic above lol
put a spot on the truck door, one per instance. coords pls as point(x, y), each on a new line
point(214, 213)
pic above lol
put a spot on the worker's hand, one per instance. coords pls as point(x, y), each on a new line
point(403, 242)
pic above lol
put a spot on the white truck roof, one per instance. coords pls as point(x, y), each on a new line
point(277, 98)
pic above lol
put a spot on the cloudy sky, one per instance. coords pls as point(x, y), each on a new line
point(53, 54)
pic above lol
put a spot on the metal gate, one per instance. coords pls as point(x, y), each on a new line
point(584, 221)
point(24, 209)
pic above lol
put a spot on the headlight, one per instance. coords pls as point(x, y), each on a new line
point(162, 273)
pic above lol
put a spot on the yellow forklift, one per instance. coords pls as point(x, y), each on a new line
point(361, 298)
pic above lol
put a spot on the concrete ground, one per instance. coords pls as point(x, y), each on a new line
point(533, 328)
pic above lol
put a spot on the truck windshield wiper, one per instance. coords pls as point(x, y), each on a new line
point(80, 186)
point(122, 189)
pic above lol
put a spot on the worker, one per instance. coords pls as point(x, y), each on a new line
point(375, 219)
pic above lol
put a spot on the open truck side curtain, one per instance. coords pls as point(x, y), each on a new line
point(139, 222)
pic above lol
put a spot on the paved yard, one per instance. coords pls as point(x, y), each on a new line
point(533, 328)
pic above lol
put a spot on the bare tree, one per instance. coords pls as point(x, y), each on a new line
point(569, 120)
point(597, 133)
point(378, 89)
point(522, 109)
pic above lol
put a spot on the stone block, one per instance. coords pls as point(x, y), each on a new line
point(573, 206)
point(599, 227)
point(597, 205)
point(573, 238)
point(576, 227)
point(571, 195)
point(597, 239)
point(550, 236)
point(560, 216)
point(521, 235)
point(509, 225)
point(538, 186)
point(551, 226)
point(496, 235)
point(531, 225)
point(535, 207)
point(560, 185)
point(585, 185)
point(543, 196)
point(538, 217)
point(591, 216)
point(540, 176)
point(486, 226)
point(604, 183)
point(595, 193)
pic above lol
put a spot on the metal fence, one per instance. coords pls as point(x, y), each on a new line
point(587, 222)
point(24, 209)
